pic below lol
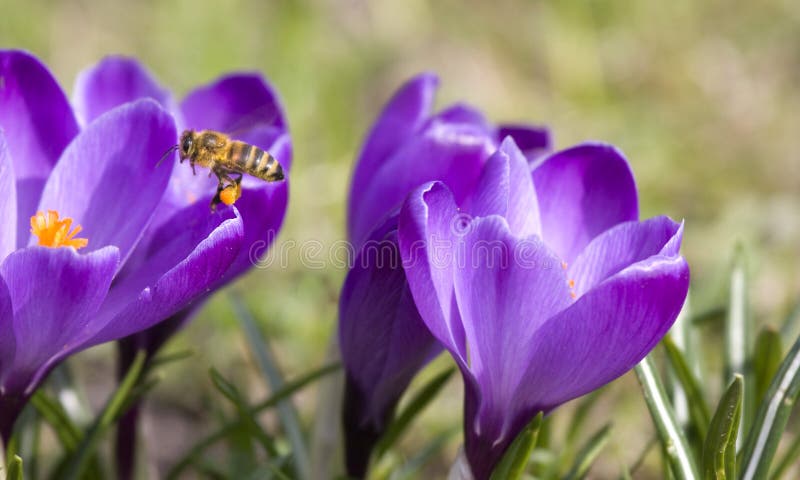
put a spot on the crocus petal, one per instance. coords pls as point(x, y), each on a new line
point(405, 113)
point(506, 288)
point(605, 333)
point(583, 191)
point(107, 179)
point(533, 141)
point(428, 229)
point(8, 344)
point(451, 153)
point(621, 246)
point(465, 114)
point(233, 104)
point(382, 339)
point(506, 189)
point(38, 123)
point(181, 263)
point(8, 201)
point(263, 209)
point(55, 293)
point(113, 81)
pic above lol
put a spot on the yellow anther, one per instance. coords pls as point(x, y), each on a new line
point(54, 233)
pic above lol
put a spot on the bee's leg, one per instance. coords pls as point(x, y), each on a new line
point(194, 172)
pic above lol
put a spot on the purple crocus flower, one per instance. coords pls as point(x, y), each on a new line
point(243, 105)
point(542, 287)
point(59, 292)
point(382, 338)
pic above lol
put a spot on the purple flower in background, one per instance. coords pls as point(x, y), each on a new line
point(125, 272)
point(542, 287)
point(382, 338)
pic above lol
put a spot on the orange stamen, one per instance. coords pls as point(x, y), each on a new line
point(54, 233)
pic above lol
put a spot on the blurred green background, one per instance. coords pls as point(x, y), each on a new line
point(701, 96)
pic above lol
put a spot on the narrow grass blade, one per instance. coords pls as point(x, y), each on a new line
point(789, 459)
point(767, 356)
point(265, 359)
point(696, 402)
point(111, 411)
point(52, 412)
point(588, 453)
point(15, 469)
point(289, 389)
point(738, 333)
point(771, 418)
point(230, 392)
point(719, 449)
point(414, 407)
point(672, 439)
point(515, 460)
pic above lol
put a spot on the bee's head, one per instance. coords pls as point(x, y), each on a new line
point(187, 143)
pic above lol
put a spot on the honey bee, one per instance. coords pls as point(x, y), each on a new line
point(228, 159)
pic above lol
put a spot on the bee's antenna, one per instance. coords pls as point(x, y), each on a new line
point(169, 151)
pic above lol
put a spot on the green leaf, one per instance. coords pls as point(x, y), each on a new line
point(767, 357)
point(15, 469)
point(66, 431)
point(588, 453)
point(243, 410)
point(78, 463)
point(719, 449)
point(698, 409)
point(414, 407)
point(515, 460)
point(289, 389)
point(771, 418)
point(669, 432)
point(738, 337)
point(268, 365)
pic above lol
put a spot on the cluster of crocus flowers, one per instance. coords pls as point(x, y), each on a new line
point(531, 269)
point(97, 243)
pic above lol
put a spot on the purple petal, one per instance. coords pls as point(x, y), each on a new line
point(38, 124)
point(583, 191)
point(605, 333)
point(533, 141)
point(383, 340)
point(8, 201)
point(263, 210)
point(427, 234)
point(107, 180)
point(451, 153)
point(8, 344)
point(113, 81)
point(402, 116)
point(506, 189)
point(621, 246)
point(55, 293)
point(232, 104)
point(180, 264)
point(464, 114)
point(506, 288)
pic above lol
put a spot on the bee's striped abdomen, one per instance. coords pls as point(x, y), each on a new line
point(254, 161)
